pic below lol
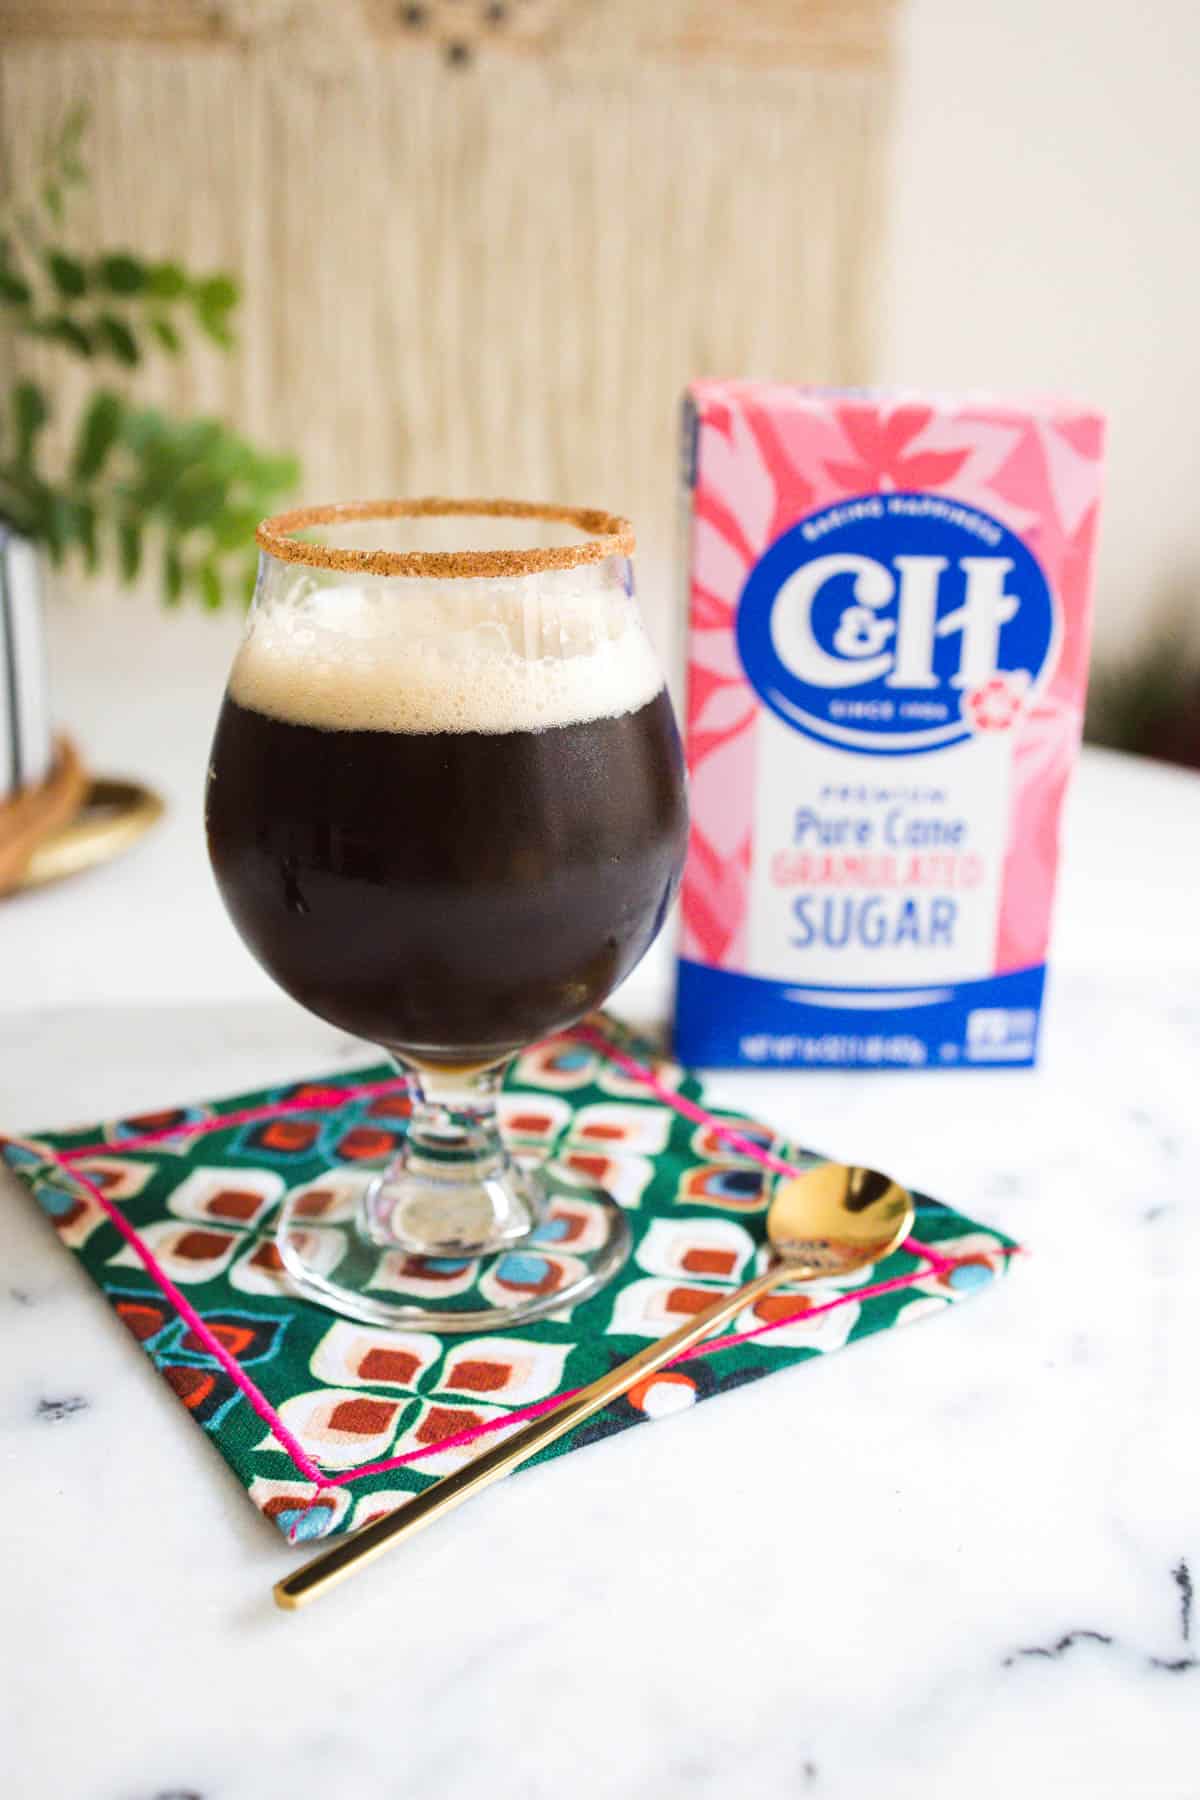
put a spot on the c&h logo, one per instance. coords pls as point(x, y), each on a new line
point(897, 623)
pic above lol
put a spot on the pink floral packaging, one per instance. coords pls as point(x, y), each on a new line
point(888, 647)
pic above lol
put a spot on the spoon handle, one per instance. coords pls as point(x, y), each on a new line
point(340, 1560)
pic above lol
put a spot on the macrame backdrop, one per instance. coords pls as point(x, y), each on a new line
point(482, 246)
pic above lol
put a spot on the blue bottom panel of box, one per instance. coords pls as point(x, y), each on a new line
point(727, 1020)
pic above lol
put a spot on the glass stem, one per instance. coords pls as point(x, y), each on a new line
point(454, 1119)
point(453, 1189)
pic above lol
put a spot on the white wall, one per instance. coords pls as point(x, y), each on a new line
point(1046, 234)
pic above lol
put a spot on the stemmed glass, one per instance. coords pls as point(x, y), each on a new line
point(446, 813)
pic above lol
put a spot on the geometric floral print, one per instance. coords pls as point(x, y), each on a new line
point(258, 1268)
point(423, 1392)
point(329, 1423)
point(213, 1196)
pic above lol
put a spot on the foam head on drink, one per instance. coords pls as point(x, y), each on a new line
point(486, 656)
point(888, 638)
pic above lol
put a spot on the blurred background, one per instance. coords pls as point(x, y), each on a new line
point(480, 245)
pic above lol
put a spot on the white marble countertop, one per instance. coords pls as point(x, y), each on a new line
point(955, 1561)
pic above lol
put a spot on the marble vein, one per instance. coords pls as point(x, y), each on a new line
point(52, 1412)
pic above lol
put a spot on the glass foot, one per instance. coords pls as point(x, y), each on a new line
point(573, 1239)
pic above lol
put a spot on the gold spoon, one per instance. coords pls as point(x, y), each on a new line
point(827, 1222)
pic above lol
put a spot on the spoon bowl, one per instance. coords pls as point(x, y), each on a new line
point(835, 1218)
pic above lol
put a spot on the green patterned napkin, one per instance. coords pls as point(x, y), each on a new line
point(328, 1423)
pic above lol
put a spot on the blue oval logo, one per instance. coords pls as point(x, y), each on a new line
point(897, 623)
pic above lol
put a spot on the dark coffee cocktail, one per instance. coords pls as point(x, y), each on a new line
point(447, 859)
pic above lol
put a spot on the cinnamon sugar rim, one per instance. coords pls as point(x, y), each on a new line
point(608, 535)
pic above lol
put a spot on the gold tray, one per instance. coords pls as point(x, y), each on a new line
point(112, 816)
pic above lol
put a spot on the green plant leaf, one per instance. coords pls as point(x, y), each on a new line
point(213, 325)
point(193, 440)
point(172, 574)
point(129, 548)
point(66, 524)
point(167, 335)
point(166, 281)
point(61, 329)
point(67, 273)
point(98, 432)
point(14, 289)
point(210, 586)
point(85, 533)
point(73, 127)
point(122, 273)
point(116, 337)
point(235, 528)
point(274, 474)
point(234, 460)
point(31, 410)
point(198, 498)
point(22, 509)
point(215, 293)
point(52, 200)
point(73, 520)
point(142, 429)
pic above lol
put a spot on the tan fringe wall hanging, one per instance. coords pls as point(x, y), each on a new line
point(482, 246)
